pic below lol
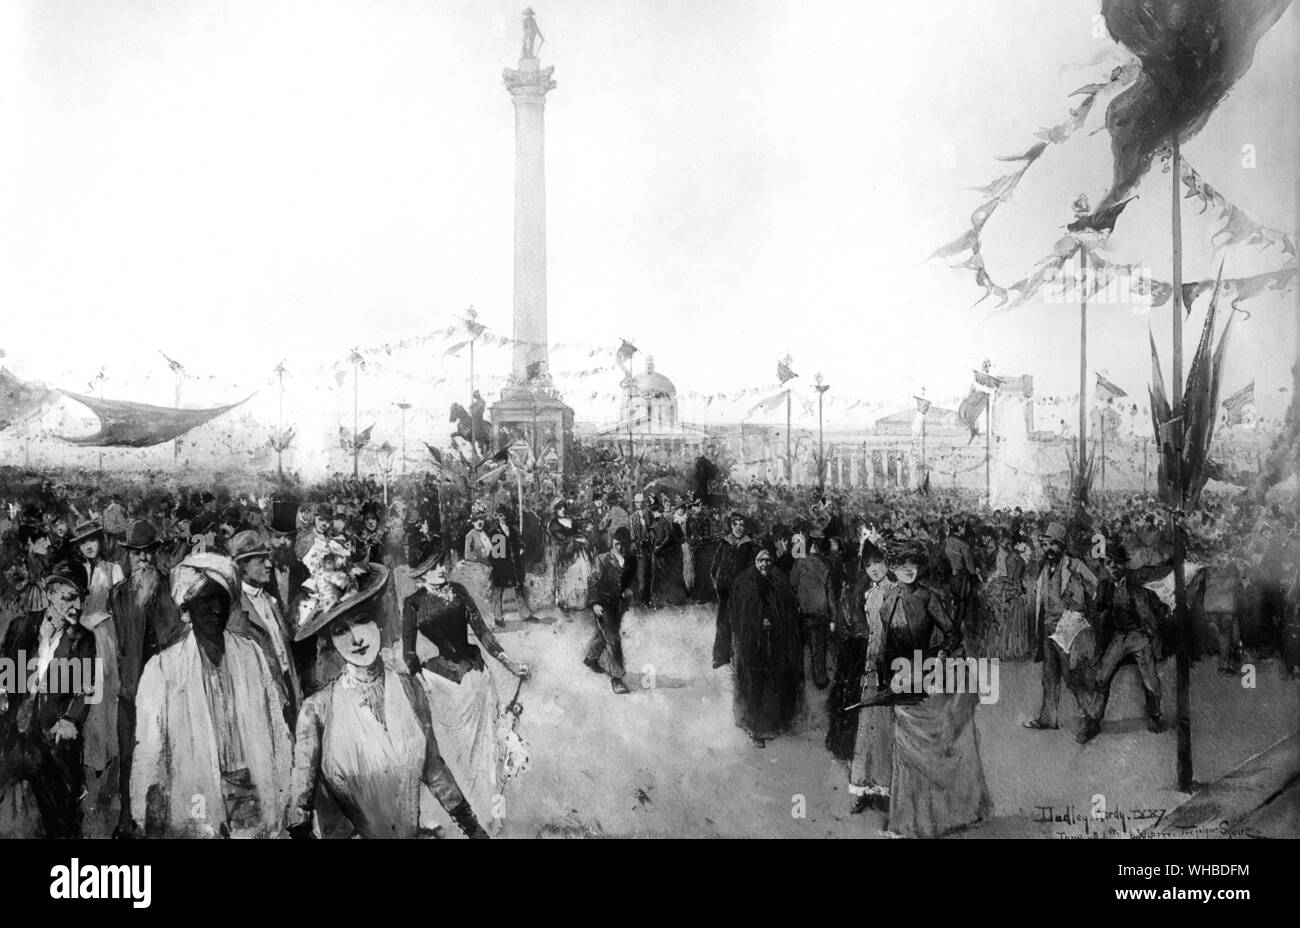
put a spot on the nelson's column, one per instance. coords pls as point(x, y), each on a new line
point(530, 407)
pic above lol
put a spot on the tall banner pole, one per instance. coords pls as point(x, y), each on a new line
point(988, 450)
point(1183, 660)
point(1083, 368)
point(789, 457)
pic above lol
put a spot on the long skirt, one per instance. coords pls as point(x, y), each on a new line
point(871, 770)
point(702, 590)
point(571, 575)
point(767, 702)
point(1010, 636)
point(99, 733)
point(464, 717)
point(938, 778)
point(669, 585)
point(845, 689)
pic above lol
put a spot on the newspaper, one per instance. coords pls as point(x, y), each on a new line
point(1071, 625)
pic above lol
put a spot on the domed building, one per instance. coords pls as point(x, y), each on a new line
point(649, 420)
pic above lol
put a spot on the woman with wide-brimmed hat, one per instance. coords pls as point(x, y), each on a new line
point(463, 701)
point(366, 737)
point(87, 542)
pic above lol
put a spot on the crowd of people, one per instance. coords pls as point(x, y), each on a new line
point(303, 659)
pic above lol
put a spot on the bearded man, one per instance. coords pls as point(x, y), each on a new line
point(147, 620)
point(1065, 583)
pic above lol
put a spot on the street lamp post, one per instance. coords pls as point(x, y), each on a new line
point(518, 452)
point(279, 423)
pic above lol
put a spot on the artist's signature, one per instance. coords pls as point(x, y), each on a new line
point(1099, 821)
point(1069, 822)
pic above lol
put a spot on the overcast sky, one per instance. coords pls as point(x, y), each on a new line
point(238, 182)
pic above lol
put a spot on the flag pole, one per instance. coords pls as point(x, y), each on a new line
point(279, 425)
point(356, 450)
point(789, 459)
point(1183, 661)
point(1081, 489)
point(176, 443)
point(988, 449)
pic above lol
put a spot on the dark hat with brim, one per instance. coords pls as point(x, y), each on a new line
point(86, 531)
point(69, 574)
point(426, 565)
point(140, 536)
point(247, 544)
point(369, 586)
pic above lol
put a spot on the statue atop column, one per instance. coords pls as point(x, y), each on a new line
point(531, 35)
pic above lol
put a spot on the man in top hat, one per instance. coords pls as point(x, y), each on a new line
point(257, 616)
point(287, 569)
point(609, 589)
point(1064, 586)
point(146, 620)
point(212, 750)
point(41, 732)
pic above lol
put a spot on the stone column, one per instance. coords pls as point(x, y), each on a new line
point(528, 87)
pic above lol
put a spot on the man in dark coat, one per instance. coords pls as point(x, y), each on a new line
point(256, 615)
point(963, 576)
point(146, 621)
point(1127, 627)
point(506, 559)
point(641, 533)
point(766, 651)
point(735, 553)
point(609, 589)
point(40, 732)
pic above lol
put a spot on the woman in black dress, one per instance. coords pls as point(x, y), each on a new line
point(463, 701)
point(571, 558)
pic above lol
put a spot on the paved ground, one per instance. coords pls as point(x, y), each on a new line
point(667, 759)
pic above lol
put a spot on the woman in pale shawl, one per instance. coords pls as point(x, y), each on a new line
point(213, 752)
point(366, 737)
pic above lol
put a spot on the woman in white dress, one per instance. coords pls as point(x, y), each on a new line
point(463, 701)
point(367, 737)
